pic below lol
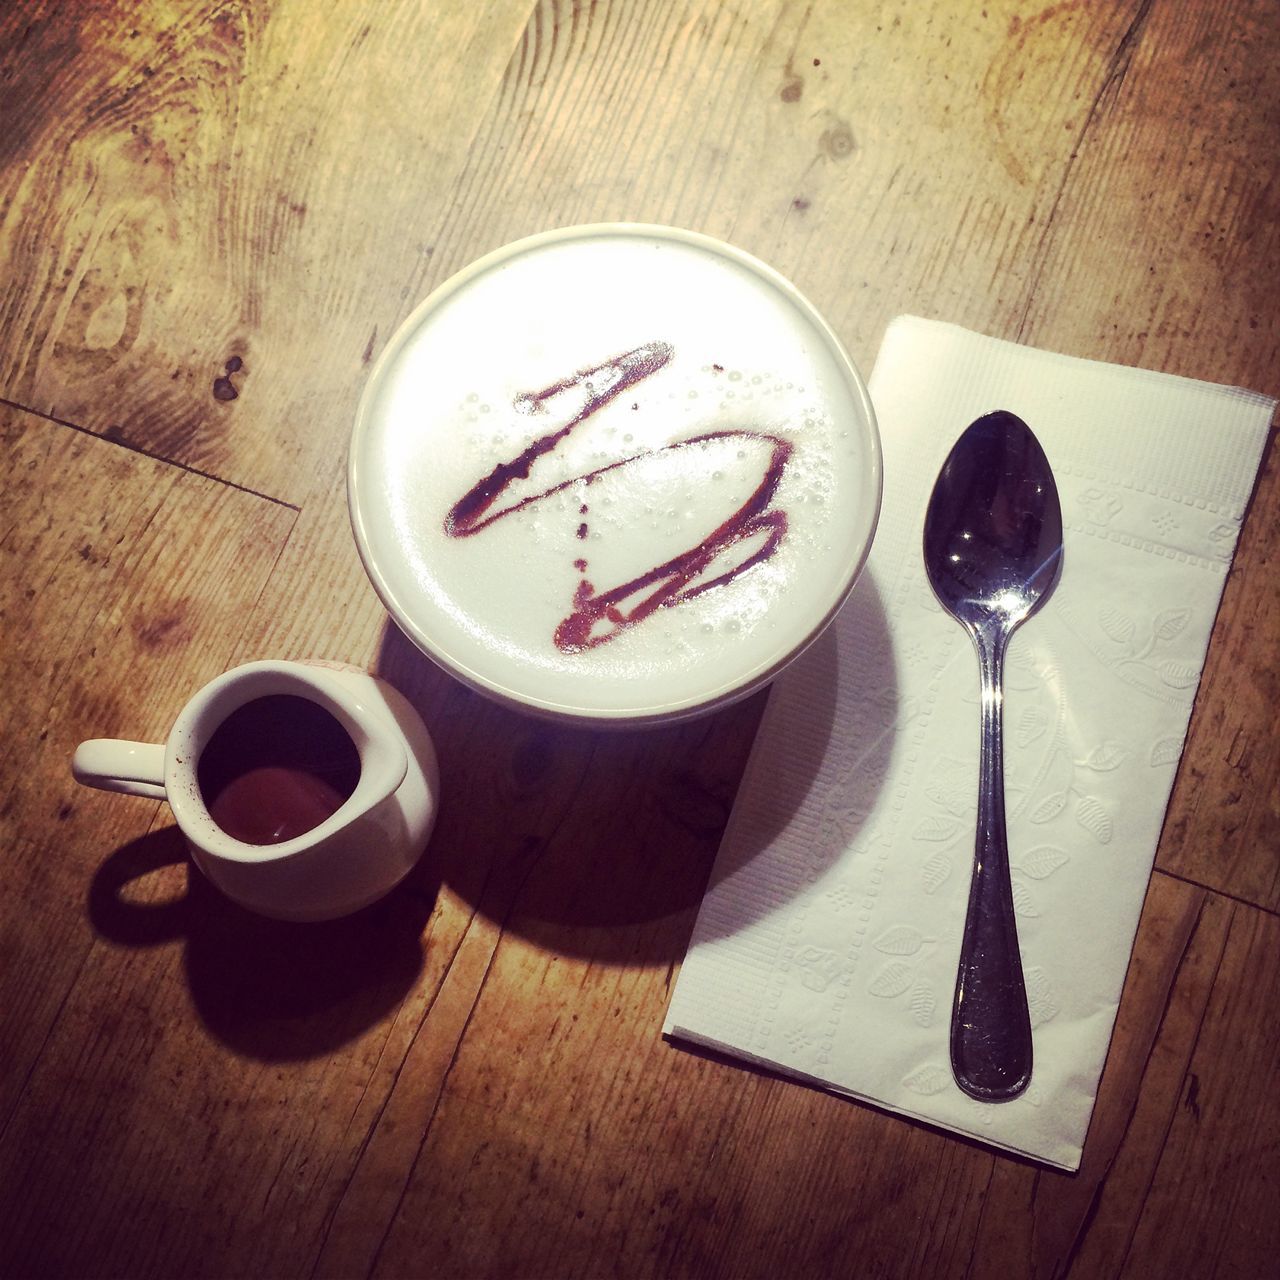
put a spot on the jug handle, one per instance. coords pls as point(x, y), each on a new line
point(110, 764)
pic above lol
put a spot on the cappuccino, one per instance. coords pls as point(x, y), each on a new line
point(617, 473)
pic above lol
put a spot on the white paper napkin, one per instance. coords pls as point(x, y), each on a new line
point(828, 940)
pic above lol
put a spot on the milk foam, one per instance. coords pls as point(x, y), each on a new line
point(452, 401)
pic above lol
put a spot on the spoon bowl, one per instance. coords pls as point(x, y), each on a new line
point(993, 551)
point(993, 533)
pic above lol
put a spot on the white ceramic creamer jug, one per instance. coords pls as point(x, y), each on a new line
point(305, 790)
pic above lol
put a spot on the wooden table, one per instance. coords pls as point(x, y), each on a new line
point(469, 1079)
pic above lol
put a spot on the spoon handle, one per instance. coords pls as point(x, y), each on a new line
point(990, 1025)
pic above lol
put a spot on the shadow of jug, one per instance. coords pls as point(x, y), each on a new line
point(269, 989)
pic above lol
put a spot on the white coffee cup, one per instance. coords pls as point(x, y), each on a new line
point(368, 835)
point(614, 475)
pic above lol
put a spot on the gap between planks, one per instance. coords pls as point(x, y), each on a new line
point(146, 453)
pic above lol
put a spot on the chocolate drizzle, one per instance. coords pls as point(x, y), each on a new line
point(600, 385)
point(600, 616)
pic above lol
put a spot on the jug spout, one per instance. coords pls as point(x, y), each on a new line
point(384, 758)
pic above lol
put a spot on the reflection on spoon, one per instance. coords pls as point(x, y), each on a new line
point(599, 616)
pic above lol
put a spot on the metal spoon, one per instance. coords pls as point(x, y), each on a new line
point(992, 549)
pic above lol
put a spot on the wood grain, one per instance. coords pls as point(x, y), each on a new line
point(124, 586)
point(116, 603)
point(1223, 824)
point(1213, 1204)
point(468, 1079)
point(1192, 208)
point(802, 134)
point(227, 162)
point(1081, 1225)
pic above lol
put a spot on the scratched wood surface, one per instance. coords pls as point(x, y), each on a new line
point(212, 217)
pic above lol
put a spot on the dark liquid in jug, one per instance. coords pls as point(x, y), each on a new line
point(276, 768)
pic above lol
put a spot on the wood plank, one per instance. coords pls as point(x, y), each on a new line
point(226, 183)
point(785, 129)
point(1189, 212)
point(664, 1163)
point(1222, 828)
point(204, 1078)
point(1042, 1223)
point(1214, 1195)
point(742, 1174)
point(117, 601)
point(593, 862)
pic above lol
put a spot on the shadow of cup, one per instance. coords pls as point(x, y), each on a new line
point(600, 843)
point(270, 989)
